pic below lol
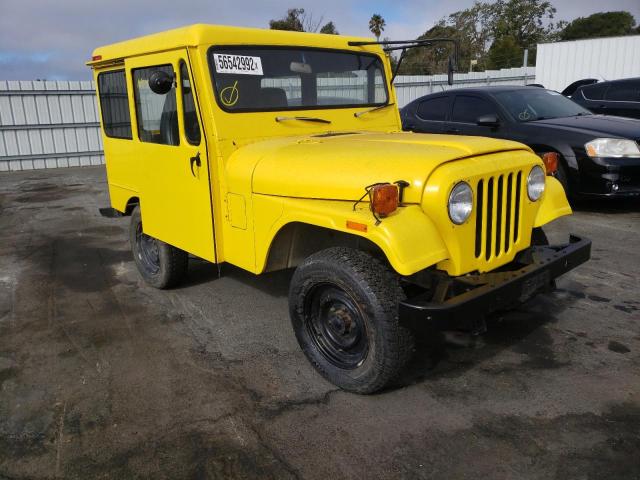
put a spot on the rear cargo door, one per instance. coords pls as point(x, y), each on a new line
point(174, 183)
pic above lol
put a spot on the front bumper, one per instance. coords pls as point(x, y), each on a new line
point(609, 177)
point(460, 303)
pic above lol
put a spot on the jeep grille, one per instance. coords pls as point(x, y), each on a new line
point(498, 214)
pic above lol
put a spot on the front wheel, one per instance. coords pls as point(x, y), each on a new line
point(344, 311)
point(160, 264)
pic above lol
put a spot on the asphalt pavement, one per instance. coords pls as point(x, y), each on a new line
point(102, 376)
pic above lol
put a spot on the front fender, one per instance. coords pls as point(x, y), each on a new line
point(554, 203)
point(408, 238)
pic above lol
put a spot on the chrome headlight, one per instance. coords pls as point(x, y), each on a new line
point(535, 183)
point(612, 147)
point(460, 203)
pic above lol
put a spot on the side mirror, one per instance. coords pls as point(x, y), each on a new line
point(160, 82)
point(488, 121)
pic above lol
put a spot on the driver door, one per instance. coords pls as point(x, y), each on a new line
point(464, 116)
point(175, 198)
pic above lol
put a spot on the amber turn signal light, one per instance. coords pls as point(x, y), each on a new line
point(550, 160)
point(384, 199)
point(360, 227)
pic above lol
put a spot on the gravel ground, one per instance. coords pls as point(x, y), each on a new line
point(104, 377)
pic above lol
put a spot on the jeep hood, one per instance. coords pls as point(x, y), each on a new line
point(339, 166)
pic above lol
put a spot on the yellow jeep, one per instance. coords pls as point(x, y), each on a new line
point(272, 150)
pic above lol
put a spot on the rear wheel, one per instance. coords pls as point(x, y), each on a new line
point(160, 264)
point(344, 311)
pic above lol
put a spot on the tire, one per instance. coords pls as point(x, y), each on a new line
point(344, 311)
point(538, 237)
point(563, 177)
point(160, 264)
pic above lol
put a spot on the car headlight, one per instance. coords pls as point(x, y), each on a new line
point(535, 183)
point(612, 147)
point(460, 203)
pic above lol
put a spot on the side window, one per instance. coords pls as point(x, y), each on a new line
point(623, 92)
point(467, 109)
point(114, 104)
point(594, 92)
point(435, 109)
point(191, 125)
point(156, 114)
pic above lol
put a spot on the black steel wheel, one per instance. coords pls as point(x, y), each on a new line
point(344, 311)
point(146, 251)
point(336, 326)
point(160, 264)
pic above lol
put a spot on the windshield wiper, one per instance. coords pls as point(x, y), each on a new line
point(379, 107)
point(303, 119)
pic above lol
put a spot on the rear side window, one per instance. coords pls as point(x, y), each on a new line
point(191, 125)
point(624, 92)
point(467, 109)
point(434, 108)
point(157, 114)
point(114, 104)
point(594, 92)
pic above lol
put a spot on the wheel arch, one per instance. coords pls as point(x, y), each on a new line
point(567, 156)
point(296, 241)
point(567, 160)
point(132, 203)
point(408, 239)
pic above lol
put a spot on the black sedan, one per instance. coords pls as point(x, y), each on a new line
point(617, 97)
point(598, 155)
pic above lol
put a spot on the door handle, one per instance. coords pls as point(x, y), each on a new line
point(195, 159)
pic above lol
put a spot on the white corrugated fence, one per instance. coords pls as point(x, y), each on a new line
point(51, 124)
point(410, 87)
point(48, 124)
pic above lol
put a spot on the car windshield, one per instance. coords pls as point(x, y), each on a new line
point(273, 78)
point(528, 105)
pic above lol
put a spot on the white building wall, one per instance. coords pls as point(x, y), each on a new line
point(562, 63)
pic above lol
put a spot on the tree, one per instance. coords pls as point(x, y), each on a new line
point(432, 59)
point(376, 25)
point(504, 53)
point(297, 20)
point(603, 24)
point(291, 22)
point(527, 21)
point(329, 28)
point(509, 24)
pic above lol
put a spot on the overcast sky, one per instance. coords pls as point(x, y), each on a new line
point(53, 39)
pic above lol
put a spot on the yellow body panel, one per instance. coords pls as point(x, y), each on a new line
point(259, 175)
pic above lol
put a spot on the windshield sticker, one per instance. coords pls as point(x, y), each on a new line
point(229, 95)
point(524, 116)
point(237, 64)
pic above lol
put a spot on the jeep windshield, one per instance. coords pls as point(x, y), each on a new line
point(251, 79)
